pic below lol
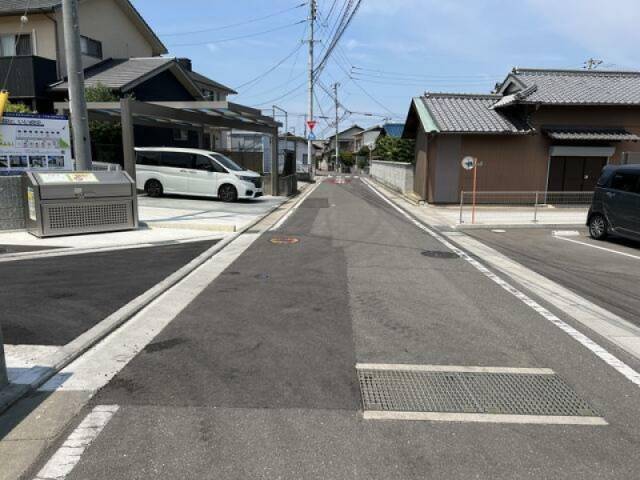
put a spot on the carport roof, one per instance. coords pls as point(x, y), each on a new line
point(191, 113)
point(591, 134)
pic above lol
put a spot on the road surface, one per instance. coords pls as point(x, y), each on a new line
point(256, 378)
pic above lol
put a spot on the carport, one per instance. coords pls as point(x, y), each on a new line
point(202, 116)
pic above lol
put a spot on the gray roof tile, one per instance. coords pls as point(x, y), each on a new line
point(470, 113)
point(18, 6)
point(579, 87)
point(592, 134)
point(118, 73)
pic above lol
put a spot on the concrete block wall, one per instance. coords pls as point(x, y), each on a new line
point(395, 175)
point(11, 207)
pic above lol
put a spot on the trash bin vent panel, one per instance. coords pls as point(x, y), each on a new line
point(64, 217)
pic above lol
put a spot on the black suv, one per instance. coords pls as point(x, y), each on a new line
point(616, 203)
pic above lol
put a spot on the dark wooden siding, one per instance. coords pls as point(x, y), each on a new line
point(163, 87)
point(29, 77)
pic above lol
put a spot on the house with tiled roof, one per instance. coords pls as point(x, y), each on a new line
point(540, 130)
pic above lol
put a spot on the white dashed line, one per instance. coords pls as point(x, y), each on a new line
point(69, 454)
point(599, 351)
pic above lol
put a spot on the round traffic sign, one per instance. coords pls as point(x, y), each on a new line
point(468, 163)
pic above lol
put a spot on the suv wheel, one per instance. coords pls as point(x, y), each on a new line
point(153, 188)
point(227, 193)
point(598, 227)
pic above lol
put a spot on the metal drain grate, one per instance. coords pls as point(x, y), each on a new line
point(439, 254)
point(467, 392)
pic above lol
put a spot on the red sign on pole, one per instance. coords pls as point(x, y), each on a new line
point(311, 124)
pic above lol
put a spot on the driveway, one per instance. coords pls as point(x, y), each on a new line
point(606, 273)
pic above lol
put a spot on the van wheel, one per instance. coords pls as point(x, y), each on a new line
point(153, 188)
point(598, 227)
point(228, 193)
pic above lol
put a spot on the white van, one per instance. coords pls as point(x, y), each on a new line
point(189, 171)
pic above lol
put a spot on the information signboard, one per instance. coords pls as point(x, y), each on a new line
point(34, 142)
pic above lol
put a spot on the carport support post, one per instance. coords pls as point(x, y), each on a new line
point(4, 380)
point(128, 143)
point(274, 163)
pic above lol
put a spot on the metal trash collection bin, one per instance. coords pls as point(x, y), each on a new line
point(67, 203)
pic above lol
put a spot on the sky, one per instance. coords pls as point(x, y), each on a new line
point(392, 51)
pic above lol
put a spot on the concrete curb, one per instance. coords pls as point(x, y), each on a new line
point(512, 226)
point(37, 376)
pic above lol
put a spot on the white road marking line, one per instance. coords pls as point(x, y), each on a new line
point(498, 230)
point(284, 218)
point(596, 246)
point(452, 368)
point(599, 351)
point(483, 418)
point(69, 454)
point(566, 233)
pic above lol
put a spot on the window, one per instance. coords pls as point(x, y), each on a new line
point(177, 160)
point(90, 47)
point(626, 182)
point(180, 135)
point(13, 44)
point(148, 158)
point(228, 163)
point(205, 163)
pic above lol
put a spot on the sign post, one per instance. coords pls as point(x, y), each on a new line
point(471, 163)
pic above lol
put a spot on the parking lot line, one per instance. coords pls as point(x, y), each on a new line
point(559, 237)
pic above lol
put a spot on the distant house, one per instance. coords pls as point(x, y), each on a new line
point(369, 137)
point(543, 130)
point(346, 139)
point(294, 147)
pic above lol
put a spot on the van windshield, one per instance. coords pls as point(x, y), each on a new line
point(227, 162)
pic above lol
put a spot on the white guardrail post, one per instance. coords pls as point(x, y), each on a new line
point(461, 204)
point(535, 209)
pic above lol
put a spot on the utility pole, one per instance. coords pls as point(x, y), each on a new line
point(75, 73)
point(335, 97)
point(312, 19)
point(286, 130)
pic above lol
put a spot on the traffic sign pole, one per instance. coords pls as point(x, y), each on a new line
point(475, 183)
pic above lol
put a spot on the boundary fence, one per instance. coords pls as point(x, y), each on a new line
point(524, 207)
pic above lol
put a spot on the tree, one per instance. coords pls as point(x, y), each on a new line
point(106, 137)
point(17, 108)
point(395, 149)
point(100, 93)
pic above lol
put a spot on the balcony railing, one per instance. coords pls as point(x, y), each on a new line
point(29, 76)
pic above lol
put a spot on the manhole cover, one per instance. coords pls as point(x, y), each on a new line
point(439, 254)
point(469, 392)
point(284, 240)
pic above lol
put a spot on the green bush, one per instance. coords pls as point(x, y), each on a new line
point(100, 93)
point(395, 149)
point(17, 108)
point(346, 159)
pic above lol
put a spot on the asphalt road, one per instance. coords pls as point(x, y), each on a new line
point(256, 379)
point(50, 301)
point(605, 273)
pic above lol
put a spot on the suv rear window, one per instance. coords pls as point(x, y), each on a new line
point(626, 182)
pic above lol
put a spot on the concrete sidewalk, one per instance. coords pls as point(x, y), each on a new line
point(162, 220)
point(449, 215)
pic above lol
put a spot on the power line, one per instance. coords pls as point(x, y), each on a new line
point(224, 27)
point(293, 90)
point(271, 69)
point(282, 27)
